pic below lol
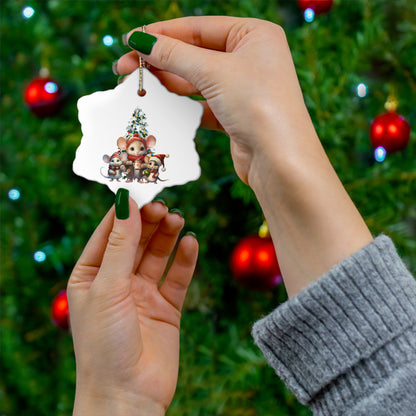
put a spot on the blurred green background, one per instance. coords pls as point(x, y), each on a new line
point(222, 372)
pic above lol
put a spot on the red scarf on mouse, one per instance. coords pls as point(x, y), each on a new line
point(136, 138)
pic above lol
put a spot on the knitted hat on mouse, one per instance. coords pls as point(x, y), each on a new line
point(159, 160)
point(116, 154)
point(136, 138)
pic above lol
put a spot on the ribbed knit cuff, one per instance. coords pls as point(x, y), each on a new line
point(338, 338)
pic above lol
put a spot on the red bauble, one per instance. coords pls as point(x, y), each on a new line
point(254, 263)
point(391, 131)
point(44, 97)
point(60, 311)
point(318, 6)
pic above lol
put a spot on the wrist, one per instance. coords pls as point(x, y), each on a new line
point(287, 147)
point(312, 220)
point(115, 404)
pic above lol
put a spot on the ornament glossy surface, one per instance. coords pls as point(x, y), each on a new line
point(390, 131)
point(60, 310)
point(254, 263)
point(43, 96)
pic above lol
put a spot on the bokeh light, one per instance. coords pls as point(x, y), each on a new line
point(380, 154)
point(28, 12)
point(309, 15)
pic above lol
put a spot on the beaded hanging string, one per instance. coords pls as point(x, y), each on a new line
point(141, 92)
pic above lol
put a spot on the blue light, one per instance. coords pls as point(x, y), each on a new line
point(361, 90)
point(39, 256)
point(14, 194)
point(380, 154)
point(108, 40)
point(28, 12)
point(51, 87)
point(309, 15)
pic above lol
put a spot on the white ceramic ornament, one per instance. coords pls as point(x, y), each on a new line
point(142, 144)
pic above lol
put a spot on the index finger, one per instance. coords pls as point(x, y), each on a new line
point(209, 32)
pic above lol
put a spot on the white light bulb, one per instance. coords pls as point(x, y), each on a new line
point(108, 40)
point(380, 154)
point(309, 15)
point(361, 90)
point(28, 12)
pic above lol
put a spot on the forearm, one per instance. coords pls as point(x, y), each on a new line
point(312, 220)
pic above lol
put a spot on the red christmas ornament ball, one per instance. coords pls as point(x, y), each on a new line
point(60, 310)
point(254, 263)
point(391, 131)
point(318, 6)
point(43, 96)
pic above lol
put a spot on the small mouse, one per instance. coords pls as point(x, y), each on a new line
point(115, 166)
point(156, 162)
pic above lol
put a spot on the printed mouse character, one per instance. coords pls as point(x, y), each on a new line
point(138, 170)
point(115, 166)
point(156, 162)
point(136, 149)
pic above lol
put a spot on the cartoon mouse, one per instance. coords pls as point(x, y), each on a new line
point(115, 166)
point(138, 170)
point(152, 170)
point(136, 149)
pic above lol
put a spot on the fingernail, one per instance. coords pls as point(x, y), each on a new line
point(120, 79)
point(114, 68)
point(176, 211)
point(191, 233)
point(142, 42)
point(122, 204)
point(160, 200)
point(197, 97)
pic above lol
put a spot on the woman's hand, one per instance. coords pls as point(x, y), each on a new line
point(124, 321)
point(244, 70)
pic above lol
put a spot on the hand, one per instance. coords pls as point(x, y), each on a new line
point(244, 69)
point(125, 324)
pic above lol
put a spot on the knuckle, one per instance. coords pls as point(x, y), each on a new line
point(167, 54)
point(118, 240)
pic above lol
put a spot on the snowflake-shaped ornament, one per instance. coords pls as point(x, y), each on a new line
point(142, 144)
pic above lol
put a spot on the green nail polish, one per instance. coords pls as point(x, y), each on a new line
point(142, 42)
point(114, 68)
point(120, 79)
point(191, 233)
point(160, 200)
point(122, 204)
point(177, 211)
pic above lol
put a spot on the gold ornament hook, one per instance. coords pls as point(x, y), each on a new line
point(392, 102)
point(264, 230)
point(141, 92)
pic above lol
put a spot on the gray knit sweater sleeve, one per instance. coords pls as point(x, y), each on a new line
point(346, 345)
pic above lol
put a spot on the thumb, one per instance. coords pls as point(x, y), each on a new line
point(123, 240)
point(173, 55)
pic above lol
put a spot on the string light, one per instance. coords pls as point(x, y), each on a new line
point(28, 12)
point(309, 15)
point(108, 40)
point(361, 90)
point(51, 87)
point(380, 154)
point(39, 256)
point(14, 194)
